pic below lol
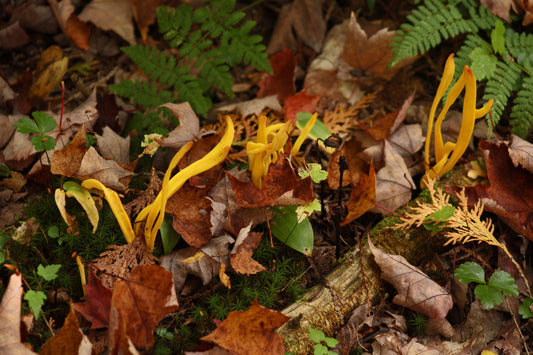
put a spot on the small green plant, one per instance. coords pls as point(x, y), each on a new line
point(40, 126)
point(36, 298)
point(322, 342)
point(418, 322)
point(496, 52)
point(208, 42)
point(489, 293)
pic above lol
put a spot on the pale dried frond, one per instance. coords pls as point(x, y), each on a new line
point(343, 120)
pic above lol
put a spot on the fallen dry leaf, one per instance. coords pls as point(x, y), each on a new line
point(241, 254)
point(299, 22)
point(190, 210)
point(51, 68)
point(281, 188)
point(188, 129)
point(393, 182)
point(69, 340)
point(281, 82)
point(215, 253)
point(250, 332)
point(77, 30)
point(350, 150)
point(253, 107)
point(112, 146)
point(301, 102)
point(13, 36)
point(362, 197)
point(108, 172)
point(510, 194)
point(67, 161)
point(139, 303)
point(10, 319)
point(144, 13)
point(369, 49)
point(416, 290)
point(499, 8)
point(97, 302)
point(116, 16)
point(521, 153)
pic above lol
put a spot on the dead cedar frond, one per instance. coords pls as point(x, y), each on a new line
point(343, 120)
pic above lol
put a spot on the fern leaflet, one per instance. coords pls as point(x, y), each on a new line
point(522, 112)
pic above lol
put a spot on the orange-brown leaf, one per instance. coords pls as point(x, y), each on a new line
point(67, 161)
point(69, 340)
point(250, 332)
point(280, 83)
point(362, 197)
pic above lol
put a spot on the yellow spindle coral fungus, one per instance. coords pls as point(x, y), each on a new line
point(447, 154)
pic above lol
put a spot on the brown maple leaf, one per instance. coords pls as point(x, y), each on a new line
point(250, 332)
point(98, 302)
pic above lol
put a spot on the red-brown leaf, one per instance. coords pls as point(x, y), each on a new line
point(98, 302)
point(280, 83)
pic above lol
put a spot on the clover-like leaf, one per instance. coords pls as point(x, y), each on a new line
point(504, 282)
point(470, 272)
point(488, 295)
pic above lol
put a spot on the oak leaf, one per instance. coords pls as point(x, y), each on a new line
point(250, 332)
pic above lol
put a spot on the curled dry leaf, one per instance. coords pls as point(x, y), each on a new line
point(138, 304)
point(69, 340)
point(250, 332)
point(416, 290)
point(10, 319)
point(521, 153)
point(370, 50)
point(362, 197)
point(97, 302)
point(108, 172)
point(241, 254)
point(77, 30)
point(116, 16)
point(112, 146)
point(188, 129)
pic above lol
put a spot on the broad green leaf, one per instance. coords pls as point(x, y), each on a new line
point(315, 171)
point(504, 282)
point(48, 272)
point(304, 211)
point(169, 236)
point(470, 272)
point(483, 63)
point(319, 130)
point(443, 214)
point(316, 335)
point(525, 308)
point(84, 198)
point(53, 232)
point(320, 349)
point(497, 37)
point(26, 125)
point(286, 228)
point(43, 142)
point(44, 122)
point(434, 226)
point(331, 342)
point(488, 295)
point(35, 301)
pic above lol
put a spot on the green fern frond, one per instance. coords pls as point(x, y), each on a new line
point(142, 93)
point(522, 112)
point(520, 46)
point(499, 88)
point(436, 20)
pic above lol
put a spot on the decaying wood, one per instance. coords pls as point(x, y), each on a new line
point(327, 307)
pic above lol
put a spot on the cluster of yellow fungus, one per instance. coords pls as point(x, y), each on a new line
point(269, 143)
point(447, 155)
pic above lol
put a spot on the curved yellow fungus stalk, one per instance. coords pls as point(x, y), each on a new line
point(116, 206)
point(156, 209)
point(447, 155)
point(305, 132)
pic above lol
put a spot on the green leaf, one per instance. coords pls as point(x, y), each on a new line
point(488, 295)
point(470, 272)
point(26, 125)
point(319, 130)
point(497, 37)
point(316, 335)
point(320, 349)
point(315, 171)
point(504, 282)
point(286, 228)
point(2, 257)
point(84, 198)
point(35, 301)
point(48, 272)
point(434, 226)
point(444, 214)
point(525, 308)
point(304, 211)
point(43, 142)
point(45, 122)
point(169, 236)
point(331, 342)
point(483, 63)
point(53, 232)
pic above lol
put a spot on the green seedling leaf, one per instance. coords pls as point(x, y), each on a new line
point(444, 214)
point(331, 342)
point(48, 272)
point(26, 125)
point(319, 130)
point(526, 308)
point(35, 301)
point(483, 63)
point(497, 37)
point(504, 282)
point(320, 349)
point(43, 142)
point(286, 228)
point(304, 211)
point(470, 272)
point(316, 335)
point(488, 295)
point(53, 232)
point(44, 122)
point(315, 171)
point(434, 226)
point(169, 236)
point(84, 198)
